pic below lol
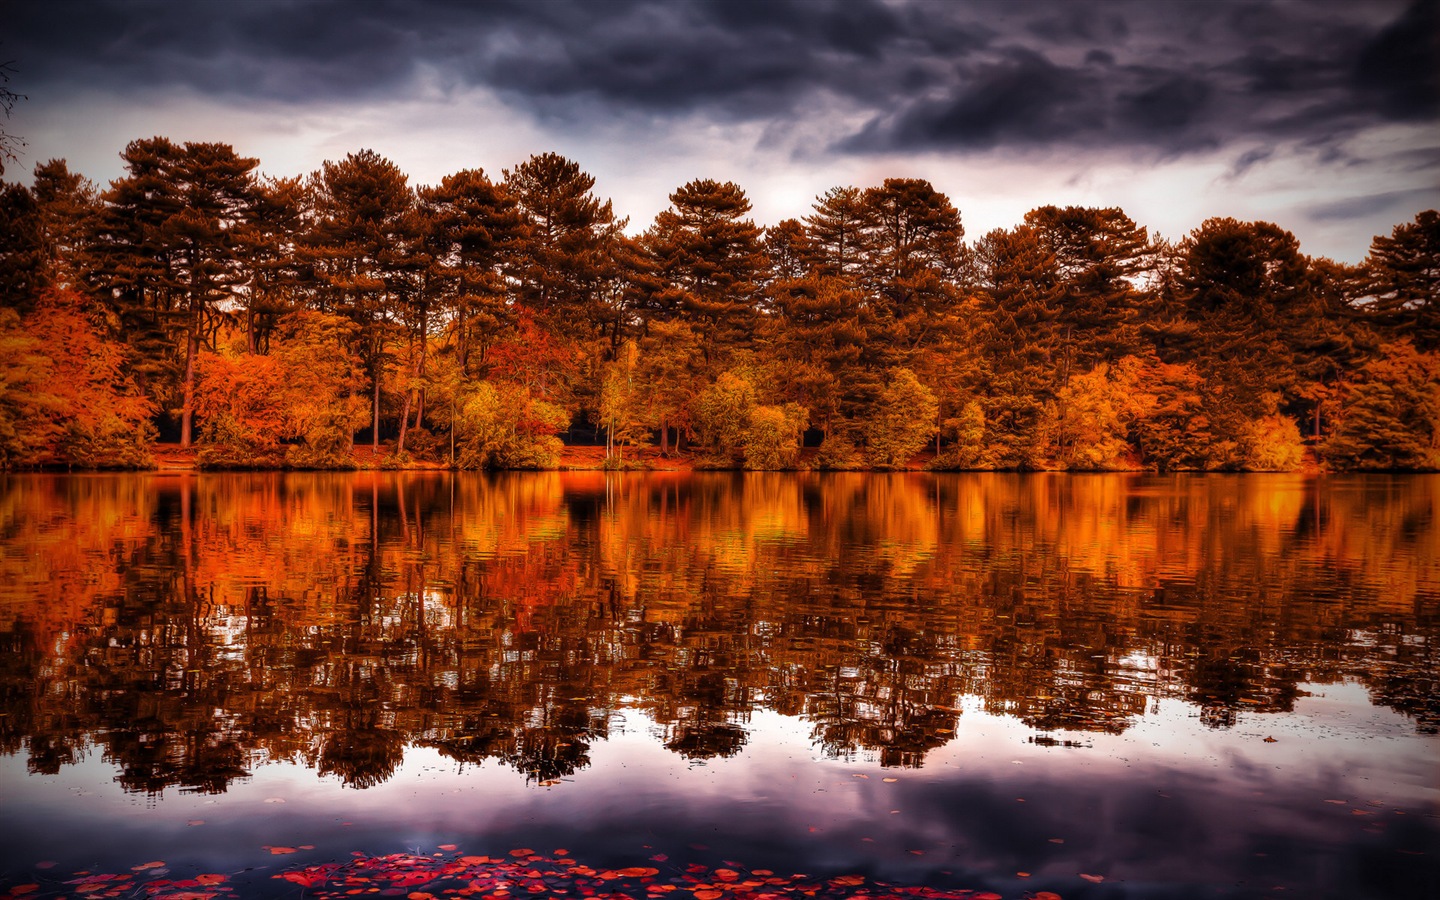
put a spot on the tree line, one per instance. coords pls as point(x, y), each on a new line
point(483, 321)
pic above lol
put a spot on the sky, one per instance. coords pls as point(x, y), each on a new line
point(1323, 117)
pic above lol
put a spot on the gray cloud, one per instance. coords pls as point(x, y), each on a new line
point(1384, 203)
point(1156, 78)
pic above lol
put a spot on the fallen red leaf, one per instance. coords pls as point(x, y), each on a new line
point(447, 847)
point(211, 879)
point(1093, 879)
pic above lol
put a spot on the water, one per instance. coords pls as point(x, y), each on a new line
point(1095, 686)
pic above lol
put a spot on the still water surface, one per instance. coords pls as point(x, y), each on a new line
point(1097, 686)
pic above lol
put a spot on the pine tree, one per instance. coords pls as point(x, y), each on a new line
point(1401, 281)
point(561, 264)
point(361, 244)
point(709, 261)
point(476, 234)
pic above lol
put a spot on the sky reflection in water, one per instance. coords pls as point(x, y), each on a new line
point(1061, 675)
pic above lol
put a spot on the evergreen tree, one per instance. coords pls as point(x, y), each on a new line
point(360, 244)
point(476, 233)
point(1401, 281)
point(561, 263)
point(709, 262)
point(837, 233)
point(911, 256)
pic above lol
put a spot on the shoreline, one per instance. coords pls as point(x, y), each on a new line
point(170, 458)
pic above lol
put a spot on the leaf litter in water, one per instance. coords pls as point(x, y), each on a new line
point(524, 871)
point(521, 872)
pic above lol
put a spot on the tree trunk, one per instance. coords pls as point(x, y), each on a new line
point(375, 414)
point(187, 414)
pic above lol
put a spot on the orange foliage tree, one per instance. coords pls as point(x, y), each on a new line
point(64, 395)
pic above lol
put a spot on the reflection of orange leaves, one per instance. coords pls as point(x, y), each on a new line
point(20, 889)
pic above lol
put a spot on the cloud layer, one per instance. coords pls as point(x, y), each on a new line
point(1086, 80)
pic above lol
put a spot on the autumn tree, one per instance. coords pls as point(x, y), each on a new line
point(360, 243)
point(476, 234)
point(913, 236)
point(1100, 258)
point(709, 261)
point(65, 396)
point(273, 272)
point(1401, 281)
point(838, 233)
point(22, 253)
point(816, 336)
point(67, 204)
point(1389, 415)
point(167, 248)
point(1017, 302)
point(560, 261)
point(902, 422)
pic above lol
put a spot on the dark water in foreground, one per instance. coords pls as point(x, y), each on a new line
point(1120, 686)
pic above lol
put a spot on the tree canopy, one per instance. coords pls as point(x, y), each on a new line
point(488, 321)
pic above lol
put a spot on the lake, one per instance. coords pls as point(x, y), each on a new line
point(719, 685)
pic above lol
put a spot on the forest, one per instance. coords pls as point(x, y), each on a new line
point(349, 318)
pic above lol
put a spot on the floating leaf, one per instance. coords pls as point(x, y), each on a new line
point(709, 895)
point(889, 780)
point(211, 879)
point(1093, 879)
point(523, 851)
point(157, 864)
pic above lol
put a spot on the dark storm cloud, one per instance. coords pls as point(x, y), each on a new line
point(1162, 78)
point(1387, 203)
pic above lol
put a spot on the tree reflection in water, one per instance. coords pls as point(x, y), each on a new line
point(190, 628)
